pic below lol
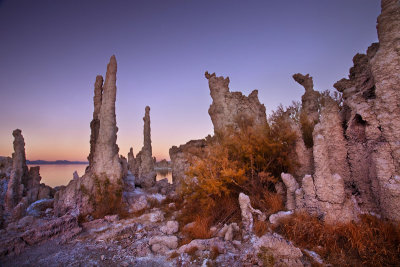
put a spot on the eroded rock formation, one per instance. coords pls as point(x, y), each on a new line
point(371, 116)
point(132, 162)
point(19, 174)
point(309, 100)
point(95, 123)
point(105, 165)
point(228, 107)
point(247, 212)
point(23, 185)
point(105, 158)
point(182, 156)
point(144, 163)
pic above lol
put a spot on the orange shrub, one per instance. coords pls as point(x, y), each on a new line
point(199, 230)
point(246, 159)
point(369, 242)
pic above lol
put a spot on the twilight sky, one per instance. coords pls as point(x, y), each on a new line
point(51, 52)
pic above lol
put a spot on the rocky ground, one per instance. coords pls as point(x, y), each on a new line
point(151, 237)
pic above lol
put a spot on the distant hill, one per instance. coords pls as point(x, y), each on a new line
point(64, 162)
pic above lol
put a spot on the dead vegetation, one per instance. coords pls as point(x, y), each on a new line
point(369, 242)
point(246, 159)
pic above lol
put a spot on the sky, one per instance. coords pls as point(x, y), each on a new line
point(51, 52)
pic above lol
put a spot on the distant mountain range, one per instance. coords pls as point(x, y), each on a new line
point(65, 162)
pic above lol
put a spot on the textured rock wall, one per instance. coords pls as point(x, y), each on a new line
point(301, 154)
point(385, 66)
point(371, 116)
point(356, 150)
point(227, 107)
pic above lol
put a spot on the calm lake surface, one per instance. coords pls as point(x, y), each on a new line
point(60, 174)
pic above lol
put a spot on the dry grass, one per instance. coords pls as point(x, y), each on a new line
point(200, 229)
point(260, 228)
point(273, 202)
point(370, 242)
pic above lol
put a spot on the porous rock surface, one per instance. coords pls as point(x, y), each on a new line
point(20, 185)
point(19, 173)
point(104, 161)
point(309, 100)
point(228, 107)
point(371, 116)
point(144, 163)
point(182, 156)
point(105, 157)
point(247, 212)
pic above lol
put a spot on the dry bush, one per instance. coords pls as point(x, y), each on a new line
point(246, 159)
point(199, 230)
point(260, 228)
point(274, 202)
point(369, 242)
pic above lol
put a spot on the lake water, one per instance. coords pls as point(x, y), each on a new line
point(60, 174)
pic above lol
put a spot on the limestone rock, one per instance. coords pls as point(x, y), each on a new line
point(39, 207)
point(182, 156)
point(309, 100)
point(228, 231)
point(247, 214)
point(104, 162)
point(291, 187)
point(229, 107)
point(132, 163)
point(19, 174)
point(95, 123)
point(124, 165)
point(162, 244)
point(282, 250)
point(75, 175)
point(140, 203)
point(303, 155)
point(153, 216)
point(332, 208)
point(203, 244)
point(146, 176)
point(105, 158)
point(35, 231)
point(371, 116)
point(5, 166)
point(170, 228)
point(64, 227)
point(129, 182)
point(274, 218)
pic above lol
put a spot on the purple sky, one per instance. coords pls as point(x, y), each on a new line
point(51, 52)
